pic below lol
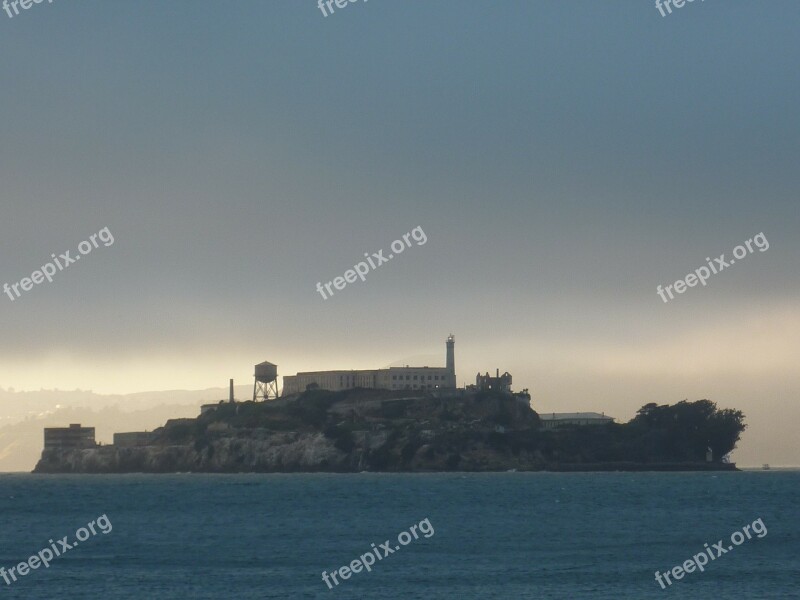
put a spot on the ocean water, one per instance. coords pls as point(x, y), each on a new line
point(504, 536)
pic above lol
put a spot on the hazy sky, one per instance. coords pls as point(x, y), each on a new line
point(563, 159)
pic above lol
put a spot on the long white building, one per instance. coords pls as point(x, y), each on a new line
point(393, 378)
point(555, 420)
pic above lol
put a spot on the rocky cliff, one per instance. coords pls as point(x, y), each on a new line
point(322, 431)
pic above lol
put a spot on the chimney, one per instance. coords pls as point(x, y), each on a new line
point(231, 393)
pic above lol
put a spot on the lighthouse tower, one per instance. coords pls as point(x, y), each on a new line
point(451, 358)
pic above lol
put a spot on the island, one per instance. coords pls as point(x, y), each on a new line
point(380, 430)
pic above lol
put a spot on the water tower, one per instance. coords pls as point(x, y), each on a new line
point(266, 384)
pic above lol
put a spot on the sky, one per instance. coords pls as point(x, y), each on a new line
point(563, 159)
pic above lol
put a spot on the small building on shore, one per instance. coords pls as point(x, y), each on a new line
point(73, 436)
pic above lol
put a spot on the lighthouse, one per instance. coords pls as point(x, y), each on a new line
point(451, 358)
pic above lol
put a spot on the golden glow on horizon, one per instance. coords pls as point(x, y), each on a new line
point(757, 346)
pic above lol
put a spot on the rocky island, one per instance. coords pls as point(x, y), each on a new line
point(403, 431)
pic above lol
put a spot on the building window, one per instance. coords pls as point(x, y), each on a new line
point(408, 377)
point(415, 377)
point(394, 377)
point(436, 377)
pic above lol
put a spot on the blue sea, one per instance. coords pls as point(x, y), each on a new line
point(504, 535)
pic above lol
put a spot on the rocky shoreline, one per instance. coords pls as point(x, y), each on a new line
point(305, 456)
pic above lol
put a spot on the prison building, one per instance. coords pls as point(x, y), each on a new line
point(393, 378)
point(73, 436)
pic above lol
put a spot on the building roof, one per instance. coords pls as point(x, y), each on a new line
point(573, 416)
